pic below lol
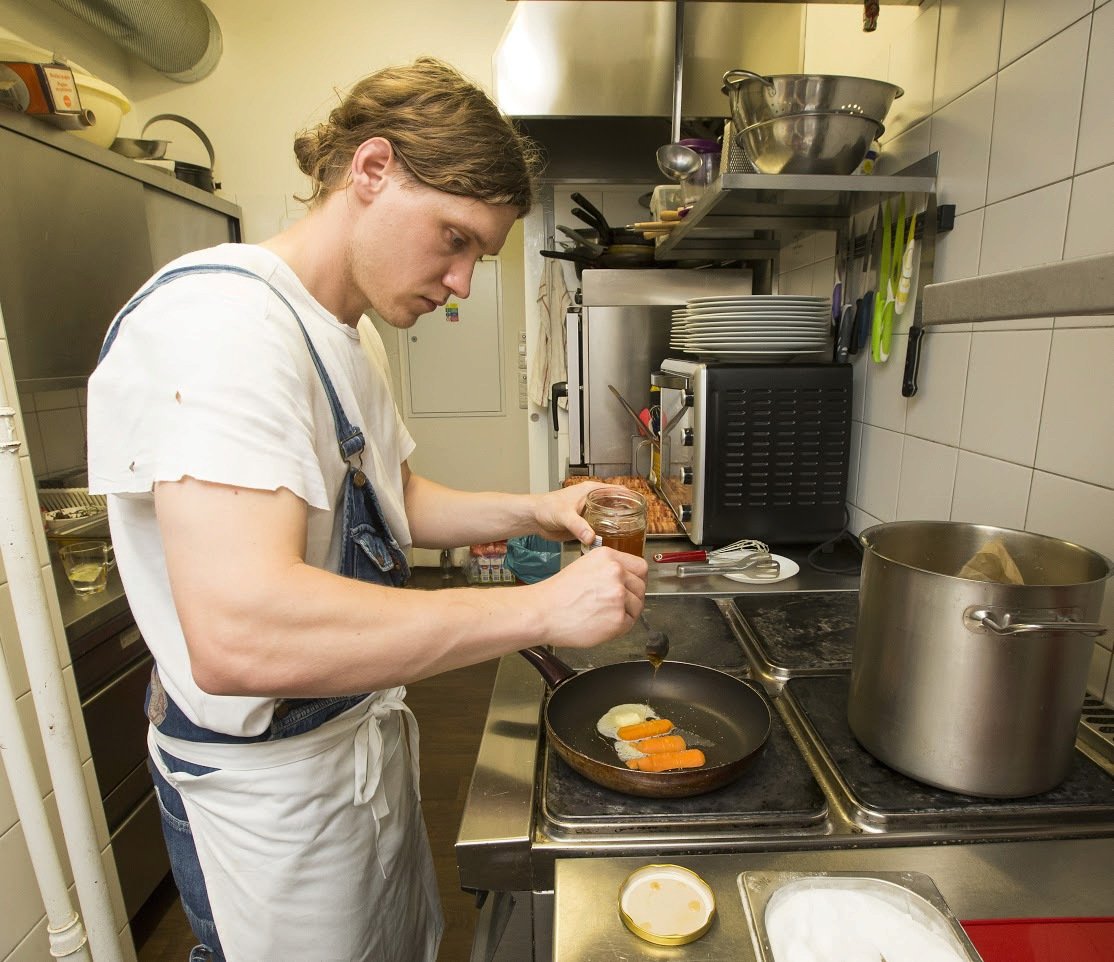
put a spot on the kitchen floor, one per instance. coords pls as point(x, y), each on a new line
point(450, 709)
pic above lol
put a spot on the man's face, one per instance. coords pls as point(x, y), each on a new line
point(415, 248)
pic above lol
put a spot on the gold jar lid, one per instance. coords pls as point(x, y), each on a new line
point(666, 904)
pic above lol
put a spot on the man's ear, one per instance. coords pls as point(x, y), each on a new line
point(371, 164)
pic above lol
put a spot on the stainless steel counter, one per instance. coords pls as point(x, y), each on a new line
point(1001, 880)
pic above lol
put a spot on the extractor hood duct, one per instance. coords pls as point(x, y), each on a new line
point(593, 80)
point(179, 38)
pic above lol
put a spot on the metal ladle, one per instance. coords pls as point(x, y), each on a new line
point(678, 162)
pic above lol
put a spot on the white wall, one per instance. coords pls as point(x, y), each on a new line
point(1011, 423)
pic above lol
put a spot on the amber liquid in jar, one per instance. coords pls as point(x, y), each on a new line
point(618, 518)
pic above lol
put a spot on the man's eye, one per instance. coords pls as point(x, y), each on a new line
point(457, 243)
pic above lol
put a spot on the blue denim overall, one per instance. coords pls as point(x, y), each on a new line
point(369, 552)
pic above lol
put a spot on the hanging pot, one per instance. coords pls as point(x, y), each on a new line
point(194, 174)
point(970, 685)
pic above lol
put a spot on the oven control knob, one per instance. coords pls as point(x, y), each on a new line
point(686, 475)
point(687, 437)
point(687, 398)
point(686, 513)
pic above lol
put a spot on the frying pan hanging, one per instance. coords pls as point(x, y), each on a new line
point(718, 708)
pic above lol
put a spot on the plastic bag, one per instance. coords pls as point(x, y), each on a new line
point(533, 558)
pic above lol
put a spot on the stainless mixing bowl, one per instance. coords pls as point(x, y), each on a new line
point(825, 142)
point(755, 98)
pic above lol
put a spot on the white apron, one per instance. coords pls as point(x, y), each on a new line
point(313, 847)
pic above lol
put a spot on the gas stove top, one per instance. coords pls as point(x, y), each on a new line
point(814, 785)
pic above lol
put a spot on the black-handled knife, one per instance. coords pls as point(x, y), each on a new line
point(913, 356)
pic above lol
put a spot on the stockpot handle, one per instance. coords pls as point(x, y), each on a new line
point(738, 74)
point(1005, 625)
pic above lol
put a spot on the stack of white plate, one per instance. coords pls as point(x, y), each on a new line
point(758, 326)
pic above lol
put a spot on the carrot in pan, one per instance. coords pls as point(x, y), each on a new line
point(691, 758)
point(656, 726)
point(662, 743)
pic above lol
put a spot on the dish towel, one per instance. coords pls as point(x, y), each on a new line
point(549, 364)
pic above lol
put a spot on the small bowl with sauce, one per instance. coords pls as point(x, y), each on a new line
point(666, 904)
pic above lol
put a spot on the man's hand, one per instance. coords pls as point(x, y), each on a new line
point(558, 513)
point(596, 598)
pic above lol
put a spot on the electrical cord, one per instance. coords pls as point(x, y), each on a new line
point(845, 541)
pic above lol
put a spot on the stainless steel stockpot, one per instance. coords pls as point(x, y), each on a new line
point(969, 685)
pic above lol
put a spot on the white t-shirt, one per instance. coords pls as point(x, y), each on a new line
point(210, 377)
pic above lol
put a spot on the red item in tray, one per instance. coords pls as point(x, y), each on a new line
point(1043, 940)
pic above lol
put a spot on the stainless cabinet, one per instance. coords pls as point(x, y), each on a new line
point(81, 228)
point(74, 237)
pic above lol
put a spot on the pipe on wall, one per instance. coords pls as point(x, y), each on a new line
point(181, 39)
point(40, 652)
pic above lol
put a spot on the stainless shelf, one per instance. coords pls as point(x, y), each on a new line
point(745, 216)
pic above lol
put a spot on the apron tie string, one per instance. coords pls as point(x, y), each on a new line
point(370, 754)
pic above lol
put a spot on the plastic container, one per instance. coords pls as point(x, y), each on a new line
point(692, 188)
point(1043, 940)
point(108, 105)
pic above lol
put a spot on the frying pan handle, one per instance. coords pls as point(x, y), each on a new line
point(592, 209)
point(550, 667)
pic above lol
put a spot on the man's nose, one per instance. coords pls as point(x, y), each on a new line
point(459, 277)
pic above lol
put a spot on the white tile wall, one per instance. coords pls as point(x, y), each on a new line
point(1028, 23)
point(1011, 238)
point(1096, 132)
point(989, 491)
point(967, 48)
point(1012, 422)
point(913, 68)
point(1090, 227)
point(927, 478)
point(1036, 115)
point(961, 134)
point(1076, 440)
point(1005, 388)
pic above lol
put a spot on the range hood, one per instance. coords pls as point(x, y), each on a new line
point(593, 80)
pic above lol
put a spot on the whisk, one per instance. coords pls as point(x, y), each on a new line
point(715, 555)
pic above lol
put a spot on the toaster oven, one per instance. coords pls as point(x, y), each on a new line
point(755, 450)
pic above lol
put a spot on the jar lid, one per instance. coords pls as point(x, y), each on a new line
point(666, 904)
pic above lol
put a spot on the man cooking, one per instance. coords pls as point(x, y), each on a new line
point(261, 503)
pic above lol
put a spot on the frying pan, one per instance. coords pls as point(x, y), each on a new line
point(718, 708)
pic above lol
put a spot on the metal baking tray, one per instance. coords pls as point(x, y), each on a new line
point(914, 892)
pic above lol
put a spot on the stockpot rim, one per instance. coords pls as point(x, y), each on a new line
point(990, 531)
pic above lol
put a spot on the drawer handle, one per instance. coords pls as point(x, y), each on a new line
point(130, 636)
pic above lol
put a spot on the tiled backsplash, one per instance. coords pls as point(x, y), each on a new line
point(1011, 425)
point(55, 429)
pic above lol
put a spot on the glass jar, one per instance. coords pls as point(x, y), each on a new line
point(618, 517)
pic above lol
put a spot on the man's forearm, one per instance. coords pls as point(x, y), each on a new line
point(442, 517)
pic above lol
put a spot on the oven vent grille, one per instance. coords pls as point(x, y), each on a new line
point(785, 446)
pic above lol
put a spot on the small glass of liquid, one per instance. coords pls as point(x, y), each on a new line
point(86, 564)
point(618, 517)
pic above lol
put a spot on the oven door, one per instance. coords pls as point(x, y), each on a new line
point(676, 482)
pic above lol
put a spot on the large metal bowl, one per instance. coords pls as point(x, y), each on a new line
point(755, 98)
point(809, 143)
